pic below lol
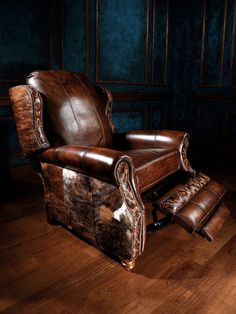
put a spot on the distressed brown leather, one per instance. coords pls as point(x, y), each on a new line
point(28, 113)
point(75, 113)
point(153, 165)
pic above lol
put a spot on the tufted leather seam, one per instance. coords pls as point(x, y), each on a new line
point(67, 96)
point(84, 155)
point(210, 211)
point(203, 208)
point(100, 122)
point(211, 191)
point(155, 139)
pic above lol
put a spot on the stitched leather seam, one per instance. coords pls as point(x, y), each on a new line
point(203, 208)
point(155, 139)
point(84, 155)
point(211, 191)
point(95, 109)
point(209, 212)
point(67, 96)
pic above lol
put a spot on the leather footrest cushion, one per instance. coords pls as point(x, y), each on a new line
point(194, 204)
point(212, 227)
point(200, 207)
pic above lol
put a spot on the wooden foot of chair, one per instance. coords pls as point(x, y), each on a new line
point(128, 265)
point(51, 220)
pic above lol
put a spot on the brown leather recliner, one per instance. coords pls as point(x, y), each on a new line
point(94, 178)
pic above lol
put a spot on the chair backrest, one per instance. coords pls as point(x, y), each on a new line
point(74, 110)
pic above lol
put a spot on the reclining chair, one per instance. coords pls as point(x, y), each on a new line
point(94, 178)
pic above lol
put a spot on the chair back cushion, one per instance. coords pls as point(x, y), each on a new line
point(74, 110)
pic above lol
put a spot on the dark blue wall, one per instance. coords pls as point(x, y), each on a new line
point(170, 64)
point(30, 39)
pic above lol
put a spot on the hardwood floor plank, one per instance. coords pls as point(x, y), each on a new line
point(46, 269)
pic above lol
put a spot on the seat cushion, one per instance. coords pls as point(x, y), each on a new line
point(153, 165)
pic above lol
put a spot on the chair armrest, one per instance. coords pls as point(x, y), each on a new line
point(96, 162)
point(167, 139)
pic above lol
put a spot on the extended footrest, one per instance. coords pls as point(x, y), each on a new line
point(197, 206)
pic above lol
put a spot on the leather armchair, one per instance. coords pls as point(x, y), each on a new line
point(94, 178)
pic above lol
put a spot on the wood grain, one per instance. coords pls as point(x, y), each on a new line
point(46, 269)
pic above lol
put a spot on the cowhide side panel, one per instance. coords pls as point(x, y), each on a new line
point(68, 199)
point(107, 215)
point(118, 216)
point(28, 112)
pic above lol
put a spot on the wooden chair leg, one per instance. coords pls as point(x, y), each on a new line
point(128, 265)
point(51, 220)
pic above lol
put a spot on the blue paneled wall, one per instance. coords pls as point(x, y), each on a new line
point(170, 64)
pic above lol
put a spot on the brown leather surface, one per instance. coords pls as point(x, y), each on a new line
point(153, 165)
point(74, 110)
point(161, 139)
point(98, 162)
point(213, 226)
point(142, 139)
point(200, 207)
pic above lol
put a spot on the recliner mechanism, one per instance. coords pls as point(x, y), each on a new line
point(158, 223)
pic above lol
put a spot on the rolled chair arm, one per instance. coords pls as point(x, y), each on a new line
point(153, 139)
point(166, 139)
point(96, 162)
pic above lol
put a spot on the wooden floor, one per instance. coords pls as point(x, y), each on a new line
point(46, 269)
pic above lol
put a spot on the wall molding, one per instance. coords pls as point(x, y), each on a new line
point(87, 41)
point(136, 96)
point(212, 98)
point(203, 40)
point(232, 54)
point(165, 52)
point(97, 78)
point(143, 111)
point(5, 101)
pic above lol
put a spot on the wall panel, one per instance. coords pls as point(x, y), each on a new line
point(75, 40)
point(122, 41)
point(25, 41)
point(160, 34)
point(213, 42)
